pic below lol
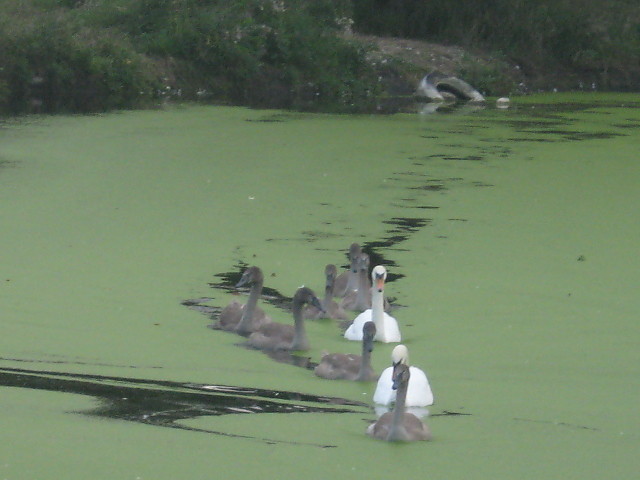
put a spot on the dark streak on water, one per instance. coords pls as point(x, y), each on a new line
point(631, 124)
point(572, 135)
point(164, 403)
point(7, 163)
point(531, 139)
point(558, 424)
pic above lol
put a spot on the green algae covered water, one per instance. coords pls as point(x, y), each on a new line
point(511, 239)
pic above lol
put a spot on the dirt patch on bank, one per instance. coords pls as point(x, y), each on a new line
point(426, 55)
point(403, 62)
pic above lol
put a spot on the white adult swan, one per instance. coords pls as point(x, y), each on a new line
point(387, 330)
point(278, 336)
point(419, 391)
point(330, 309)
point(341, 366)
point(245, 318)
point(399, 425)
point(348, 281)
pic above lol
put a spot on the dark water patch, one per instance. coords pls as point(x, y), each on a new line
point(576, 135)
point(433, 186)
point(631, 123)
point(410, 173)
point(473, 158)
point(551, 131)
point(558, 424)
point(481, 184)
point(265, 120)
point(418, 181)
point(421, 160)
point(276, 117)
point(592, 135)
point(562, 107)
point(530, 124)
point(533, 139)
point(419, 207)
point(374, 248)
point(7, 163)
point(315, 235)
point(459, 131)
point(309, 236)
point(493, 150)
point(52, 361)
point(164, 403)
point(449, 413)
point(406, 224)
point(201, 305)
point(228, 281)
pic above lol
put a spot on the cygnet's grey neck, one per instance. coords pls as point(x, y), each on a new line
point(362, 299)
point(397, 430)
point(365, 372)
point(244, 325)
point(354, 259)
point(300, 341)
point(328, 291)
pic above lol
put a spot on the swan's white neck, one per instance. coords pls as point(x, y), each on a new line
point(377, 311)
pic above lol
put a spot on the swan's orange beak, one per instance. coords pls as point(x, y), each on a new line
point(380, 283)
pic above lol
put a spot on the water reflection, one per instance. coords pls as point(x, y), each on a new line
point(165, 404)
point(419, 412)
point(460, 108)
point(228, 281)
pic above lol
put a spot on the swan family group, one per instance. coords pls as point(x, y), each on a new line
point(401, 385)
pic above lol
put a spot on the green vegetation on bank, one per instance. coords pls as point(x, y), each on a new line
point(101, 54)
point(567, 42)
point(97, 55)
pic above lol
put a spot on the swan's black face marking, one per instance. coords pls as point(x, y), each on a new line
point(368, 334)
point(400, 375)
point(379, 281)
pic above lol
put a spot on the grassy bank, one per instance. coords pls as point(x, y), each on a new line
point(97, 55)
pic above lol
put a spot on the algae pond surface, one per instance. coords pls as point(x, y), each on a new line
point(511, 240)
